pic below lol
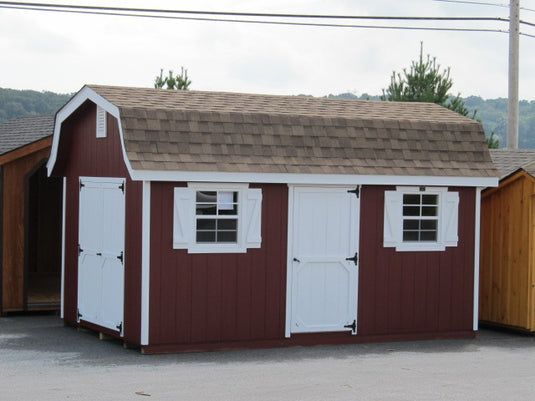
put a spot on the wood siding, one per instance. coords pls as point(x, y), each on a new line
point(217, 298)
point(507, 253)
point(82, 154)
point(13, 236)
point(414, 292)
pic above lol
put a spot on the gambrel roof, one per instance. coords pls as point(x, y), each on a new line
point(195, 131)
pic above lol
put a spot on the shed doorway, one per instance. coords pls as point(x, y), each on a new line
point(43, 240)
point(323, 271)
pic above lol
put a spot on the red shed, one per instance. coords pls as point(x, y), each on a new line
point(202, 220)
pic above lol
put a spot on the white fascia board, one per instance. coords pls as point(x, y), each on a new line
point(312, 179)
point(86, 93)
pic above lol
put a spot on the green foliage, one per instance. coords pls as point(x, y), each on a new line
point(424, 82)
point(17, 103)
point(493, 142)
point(179, 82)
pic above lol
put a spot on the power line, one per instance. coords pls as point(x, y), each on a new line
point(152, 13)
point(481, 3)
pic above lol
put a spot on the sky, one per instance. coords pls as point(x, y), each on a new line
point(61, 52)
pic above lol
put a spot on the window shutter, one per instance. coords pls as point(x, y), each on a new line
point(253, 218)
point(393, 218)
point(451, 219)
point(184, 217)
point(101, 122)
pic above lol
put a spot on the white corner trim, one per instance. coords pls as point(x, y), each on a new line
point(311, 179)
point(476, 257)
point(289, 253)
point(63, 219)
point(145, 263)
point(86, 93)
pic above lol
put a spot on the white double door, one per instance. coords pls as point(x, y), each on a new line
point(101, 252)
point(323, 265)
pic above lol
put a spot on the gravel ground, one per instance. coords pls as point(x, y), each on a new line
point(40, 359)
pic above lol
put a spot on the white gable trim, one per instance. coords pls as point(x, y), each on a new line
point(312, 179)
point(86, 93)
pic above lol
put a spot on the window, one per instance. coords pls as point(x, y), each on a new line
point(420, 219)
point(217, 218)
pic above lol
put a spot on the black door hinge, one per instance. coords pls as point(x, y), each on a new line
point(80, 250)
point(120, 257)
point(81, 185)
point(120, 327)
point(352, 326)
point(355, 258)
point(121, 187)
point(355, 191)
point(78, 314)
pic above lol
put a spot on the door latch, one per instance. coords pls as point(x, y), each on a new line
point(355, 258)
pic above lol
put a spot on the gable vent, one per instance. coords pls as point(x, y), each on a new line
point(101, 122)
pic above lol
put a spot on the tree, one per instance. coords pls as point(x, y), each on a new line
point(179, 82)
point(493, 142)
point(425, 82)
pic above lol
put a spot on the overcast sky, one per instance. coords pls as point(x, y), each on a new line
point(61, 52)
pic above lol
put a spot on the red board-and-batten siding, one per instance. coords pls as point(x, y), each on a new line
point(80, 153)
point(204, 301)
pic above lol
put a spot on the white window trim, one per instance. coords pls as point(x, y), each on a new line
point(249, 219)
point(447, 235)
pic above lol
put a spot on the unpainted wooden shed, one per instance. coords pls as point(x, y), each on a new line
point(30, 271)
point(203, 220)
point(507, 279)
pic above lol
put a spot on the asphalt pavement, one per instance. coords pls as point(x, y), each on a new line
point(40, 359)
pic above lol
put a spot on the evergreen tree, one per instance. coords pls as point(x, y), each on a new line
point(179, 82)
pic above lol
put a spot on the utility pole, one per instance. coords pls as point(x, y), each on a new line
point(514, 33)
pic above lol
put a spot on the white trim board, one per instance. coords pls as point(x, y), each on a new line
point(476, 258)
point(145, 263)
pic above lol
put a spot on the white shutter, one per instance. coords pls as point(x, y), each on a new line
point(253, 218)
point(183, 217)
point(451, 219)
point(393, 218)
point(101, 122)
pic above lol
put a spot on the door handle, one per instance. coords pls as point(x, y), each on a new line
point(355, 258)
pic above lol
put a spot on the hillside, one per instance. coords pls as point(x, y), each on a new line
point(17, 103)
point(491, 112)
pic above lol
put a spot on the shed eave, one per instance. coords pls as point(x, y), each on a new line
point(312, 179)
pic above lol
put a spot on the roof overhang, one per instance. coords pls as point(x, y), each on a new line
point(313, 179)
point(25, 150)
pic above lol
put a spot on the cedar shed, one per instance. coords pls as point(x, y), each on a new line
point(30, 221)
point(508, 243)
point(201, 220)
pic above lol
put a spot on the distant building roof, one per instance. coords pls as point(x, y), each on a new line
point(233, 132)
point(507, 161)
point(22, 131)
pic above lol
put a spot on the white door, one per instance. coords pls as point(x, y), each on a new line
point(101, 252)
point(323, 271)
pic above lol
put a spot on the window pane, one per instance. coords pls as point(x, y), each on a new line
point(205, 236)
point(411, 199)
point(227, 224)
point(428, 236)
point(206, 224)
point(430, 199)
point(429, 211)
point(429, 224)
point(411, 210)
point(411, 224)
point(207, 209)
point(226, 236)
point(206, 196)
point(230, 210)
point(410, 235)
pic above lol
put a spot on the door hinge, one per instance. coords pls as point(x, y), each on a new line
point(352, 326)
point(121, 187)
point(120, 327)
point(80, 250)
point(81, 185)
point(78, 314)
point(355, 191)
point(120, 257)
point(355, 258)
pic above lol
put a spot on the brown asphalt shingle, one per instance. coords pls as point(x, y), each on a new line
point(232, 132)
